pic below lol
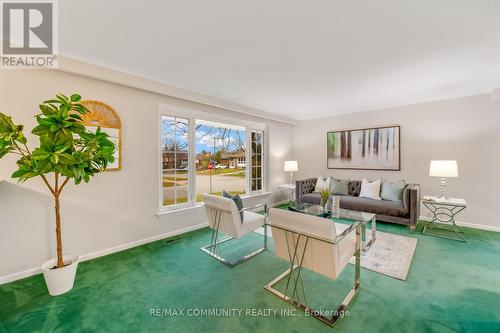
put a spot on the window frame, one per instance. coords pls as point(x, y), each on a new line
point(262, 164)
point(176, 153)
point(192, 115)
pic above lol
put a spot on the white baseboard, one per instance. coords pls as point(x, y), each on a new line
point(19, 275)
point(479, 226)
point(469, 225)
point(127, 246)
point(35, 270)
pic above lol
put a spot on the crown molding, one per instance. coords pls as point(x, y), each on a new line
point(73, 66)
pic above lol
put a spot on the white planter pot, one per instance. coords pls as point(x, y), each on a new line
point(60, 280)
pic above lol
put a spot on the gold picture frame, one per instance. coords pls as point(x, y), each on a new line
point(104, 116)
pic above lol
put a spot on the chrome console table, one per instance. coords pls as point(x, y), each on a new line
point(443, 217)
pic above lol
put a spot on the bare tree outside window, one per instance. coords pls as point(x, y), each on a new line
point(175, 158)
point(220, 158)
point(200, 156)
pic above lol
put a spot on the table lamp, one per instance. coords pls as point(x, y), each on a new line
point(291, 166)
point(443, 169)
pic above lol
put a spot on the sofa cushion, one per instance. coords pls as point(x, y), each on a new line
point(380, 207)
point(322, 183)
point(311, 198)
point(392, 191)
point(237, 200)
point(354, 187)
point(370, 190)
point(339, 186)
point(308, 185)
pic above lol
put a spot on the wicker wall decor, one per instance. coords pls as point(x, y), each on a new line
point(104, 116)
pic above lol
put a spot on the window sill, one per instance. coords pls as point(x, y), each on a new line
point(256, 195)
point(178, 211)
point(184, 210)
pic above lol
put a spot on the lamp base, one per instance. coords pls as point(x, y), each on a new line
point(443, 195)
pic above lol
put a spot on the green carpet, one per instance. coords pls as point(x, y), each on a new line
point(451, 287)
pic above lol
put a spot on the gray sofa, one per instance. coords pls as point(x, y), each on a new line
point(406, 212)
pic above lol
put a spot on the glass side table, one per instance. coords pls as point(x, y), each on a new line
point(344, 215)
point(443, 222)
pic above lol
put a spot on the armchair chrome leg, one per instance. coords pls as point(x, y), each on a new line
point(266, 220)
point(265, 236)
point(208, 249)
point(296, 264)
point(213, 248)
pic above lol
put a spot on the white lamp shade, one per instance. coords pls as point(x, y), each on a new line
point(291, 166)
point(443, 169)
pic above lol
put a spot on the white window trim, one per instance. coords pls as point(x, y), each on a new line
point(192, 116)
point(263, 176)
point(179, 206)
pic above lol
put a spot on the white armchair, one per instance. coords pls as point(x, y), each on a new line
point(224, 216)
point(312, 242)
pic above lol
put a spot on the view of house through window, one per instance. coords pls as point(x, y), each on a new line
point(201, 156)
point(175, 148)
point(220, 158)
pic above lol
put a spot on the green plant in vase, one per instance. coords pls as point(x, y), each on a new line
point(325, 195)
point(66, 151)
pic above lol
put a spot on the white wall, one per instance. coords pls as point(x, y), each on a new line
point(115, 208)
point(118, 208)
point(466, 129)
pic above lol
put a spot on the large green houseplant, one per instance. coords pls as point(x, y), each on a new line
point(66, 151)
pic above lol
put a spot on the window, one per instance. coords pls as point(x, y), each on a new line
point(257, 160)
point(200, 155)
point(175, 159)
point(220, 158)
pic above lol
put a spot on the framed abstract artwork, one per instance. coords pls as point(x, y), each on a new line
point(377, 148)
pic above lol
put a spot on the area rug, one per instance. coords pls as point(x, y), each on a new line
point(390, 255)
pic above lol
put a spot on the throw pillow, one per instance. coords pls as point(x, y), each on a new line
point(322, 183)
point(370, 190)
point(237, 200)
point(339, 186)
point(392, 191)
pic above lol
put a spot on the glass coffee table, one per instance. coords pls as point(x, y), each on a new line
point(344, 215)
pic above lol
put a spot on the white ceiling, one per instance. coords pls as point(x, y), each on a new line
point(302, 59)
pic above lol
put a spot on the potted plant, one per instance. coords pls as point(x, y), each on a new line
point(66, 151)
point(325, 195)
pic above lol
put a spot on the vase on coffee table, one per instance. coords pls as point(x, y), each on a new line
point(325, 197)
point(323, 203)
